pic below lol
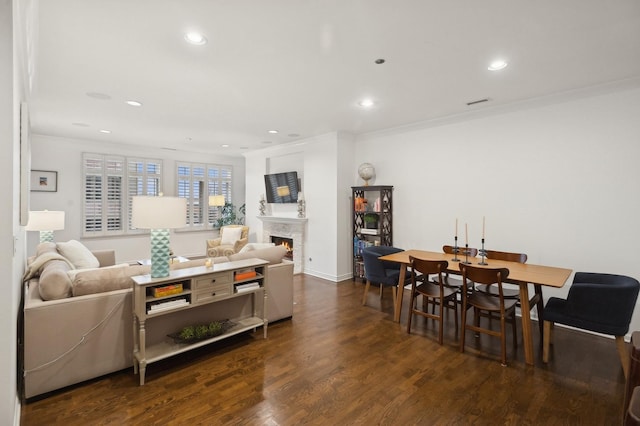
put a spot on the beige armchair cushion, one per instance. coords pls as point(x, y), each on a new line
point(216, 248)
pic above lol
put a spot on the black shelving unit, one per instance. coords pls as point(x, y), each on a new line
point(370, 202)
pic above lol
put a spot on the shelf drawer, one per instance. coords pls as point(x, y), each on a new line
point(214, 280)
point(213, 292)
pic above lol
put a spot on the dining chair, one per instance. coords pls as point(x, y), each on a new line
point(484, 302)
point(376, 271)
point(463, 252)
point(431, 291)
point(602, 303)
point(509, 292)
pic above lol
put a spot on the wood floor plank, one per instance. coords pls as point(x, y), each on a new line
point(338, 362)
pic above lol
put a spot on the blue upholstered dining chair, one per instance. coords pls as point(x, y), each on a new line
point(376, 271)
point(602, 303)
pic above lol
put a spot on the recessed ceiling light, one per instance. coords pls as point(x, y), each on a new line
point(366, 103)
point(105, 131)
point(273, 131)
point(134, 103)
point(380, 61)
point(497, 65)
point(225, 145)
point(96, 95)
point(195, 38)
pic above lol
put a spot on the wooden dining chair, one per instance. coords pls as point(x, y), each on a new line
point(431, 292)
point(509, 291)
point(462, 253)
point(484, 302)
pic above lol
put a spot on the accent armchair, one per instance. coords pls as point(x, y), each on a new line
point(232, 239)
point(602, 303)
point(376, 271)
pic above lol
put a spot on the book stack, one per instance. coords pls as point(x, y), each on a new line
point(369, 231)
point(168, 304)
point(167, 290)
point(241, 288)
point(245, 275)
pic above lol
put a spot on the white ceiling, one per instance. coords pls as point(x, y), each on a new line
point(301, 66)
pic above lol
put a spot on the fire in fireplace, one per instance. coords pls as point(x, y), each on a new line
point(287, 243)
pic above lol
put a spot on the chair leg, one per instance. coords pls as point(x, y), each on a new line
point(441, 325)
point(463, 328)
point(503, 340)
point(546, 337)
point(394, 295)
point(412, 302)
point(515, 332)
point(539, 307)
point(366, 290)
point(624, 355)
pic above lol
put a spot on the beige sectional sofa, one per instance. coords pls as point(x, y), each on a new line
point(89, 333)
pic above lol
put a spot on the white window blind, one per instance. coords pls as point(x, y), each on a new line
point(107, 199)
point(195, 183)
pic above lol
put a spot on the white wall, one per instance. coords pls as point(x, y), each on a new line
point(320, 160)
point(65, 157)
point(558, 182)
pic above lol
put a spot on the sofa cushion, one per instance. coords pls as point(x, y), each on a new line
point(270, 254)
point(78, 254)
point(255, 246)
point(54, 283)
point(106, 279)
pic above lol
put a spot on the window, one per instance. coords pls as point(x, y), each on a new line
point(195, 183)
point(109, 183)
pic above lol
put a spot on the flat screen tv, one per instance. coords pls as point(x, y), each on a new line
point(282, 187)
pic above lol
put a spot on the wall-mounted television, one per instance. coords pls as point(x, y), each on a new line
point(282, 187)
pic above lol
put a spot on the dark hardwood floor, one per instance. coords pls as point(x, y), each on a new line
point(340, 363)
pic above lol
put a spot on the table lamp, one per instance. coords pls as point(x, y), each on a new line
point(46, 222)
point(216, 200)
point(159, 214)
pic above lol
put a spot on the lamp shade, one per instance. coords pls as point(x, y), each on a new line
point(216, 200)
point(158, 212)
point(45, 220)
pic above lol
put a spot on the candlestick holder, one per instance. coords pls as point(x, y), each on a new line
point(261, 207)
point(483, 254)
point(466, 254)
point(455, 249)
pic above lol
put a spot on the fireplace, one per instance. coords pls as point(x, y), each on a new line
point(292, 229)
point(286, 242)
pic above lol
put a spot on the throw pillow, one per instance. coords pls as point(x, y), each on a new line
point(255, 246)
point(231, 235)
point(54, 283)
point(78, 254)
point(106, 279)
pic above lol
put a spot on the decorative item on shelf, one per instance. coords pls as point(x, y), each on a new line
point(360, 204)
point(366, 172)
point(159, 214)
point(301, 205)
point(46, 222)
point(371, 220)
point(195, 333)
point(262, 205)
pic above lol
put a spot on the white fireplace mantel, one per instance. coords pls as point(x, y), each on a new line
point(287, 227)
point(283, 219)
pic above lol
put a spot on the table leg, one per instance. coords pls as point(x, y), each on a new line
point(398, 307)
point(525, 312)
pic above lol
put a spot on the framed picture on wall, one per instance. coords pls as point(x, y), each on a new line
point(44, 181)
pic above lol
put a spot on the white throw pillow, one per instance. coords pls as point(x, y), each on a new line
point(255, 246)
point(230, 235)
point(76, 253)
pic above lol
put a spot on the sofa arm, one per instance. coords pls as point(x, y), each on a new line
point(240, 244)
point(105, 257)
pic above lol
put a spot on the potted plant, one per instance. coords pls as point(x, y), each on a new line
point(229, 217)
point(370, 220)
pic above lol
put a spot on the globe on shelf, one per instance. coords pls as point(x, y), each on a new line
point(366, 172)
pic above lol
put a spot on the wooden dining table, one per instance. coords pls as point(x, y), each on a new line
point(521, 274)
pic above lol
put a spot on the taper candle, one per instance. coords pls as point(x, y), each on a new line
point(483, 227)
point(456, 234)
point(466, 234)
